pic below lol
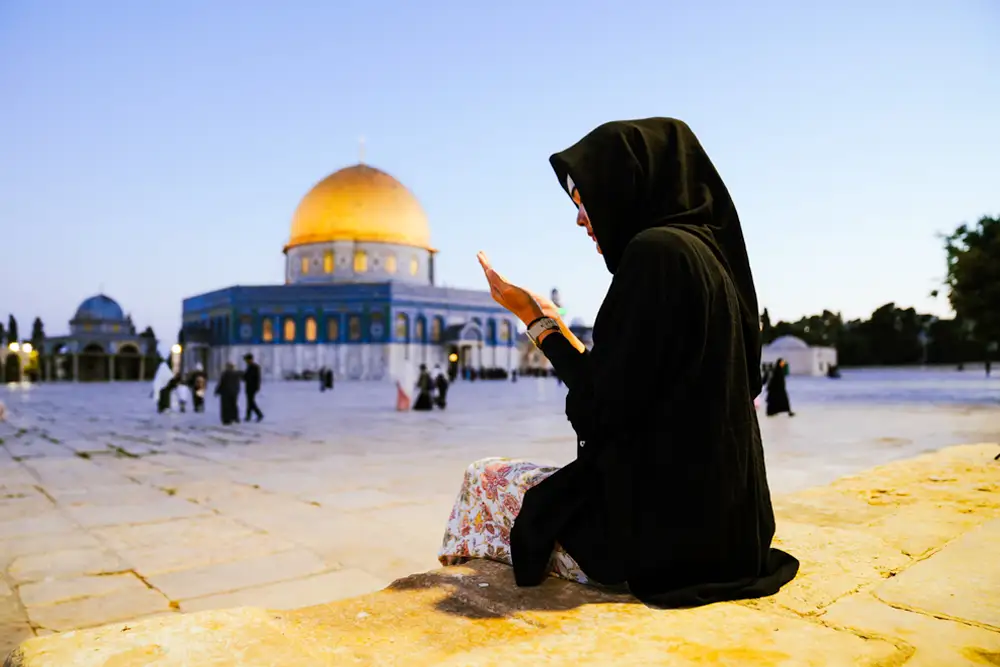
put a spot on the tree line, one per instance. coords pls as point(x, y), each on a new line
point(897, 336)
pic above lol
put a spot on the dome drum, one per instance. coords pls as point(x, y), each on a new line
point(348, 261)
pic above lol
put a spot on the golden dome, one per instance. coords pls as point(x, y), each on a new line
point(360, 203)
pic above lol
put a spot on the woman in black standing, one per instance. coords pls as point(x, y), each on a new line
point(777, 390)
point(668, 492)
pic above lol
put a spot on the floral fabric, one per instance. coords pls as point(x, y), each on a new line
point(484, 513)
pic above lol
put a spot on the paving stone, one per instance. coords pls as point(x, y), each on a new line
point(25, 545)
point(163, 509)
point(234, 575)
point(52, 591)
point(358, 499)
point(12, 634)
point(63, 563)
point(51, 522)
point(318, 589)
point(936, 642)
point(127, 602)
point(969, 564)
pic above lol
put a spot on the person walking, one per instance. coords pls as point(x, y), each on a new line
point(251, 382)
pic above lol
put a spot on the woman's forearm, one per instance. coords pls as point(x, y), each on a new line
point(571, 363)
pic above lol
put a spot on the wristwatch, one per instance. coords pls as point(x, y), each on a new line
point(540, 326)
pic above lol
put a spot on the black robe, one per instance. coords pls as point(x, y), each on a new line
point(228, 391)
point(777, 393)
point(424, 387)
point(668, 492)
point(441, 385)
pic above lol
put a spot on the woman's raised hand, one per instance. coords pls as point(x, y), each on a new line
point(519, 301)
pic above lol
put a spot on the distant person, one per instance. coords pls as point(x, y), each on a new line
point(989, 367)
point(228, 391)
point(668, 494)
point(777, 391)
point(405, 384)
point(322, 379)
point(182, 392)
point(328, 380)
point(441, 388)
point(162, 387)
point(198, 382)
point(424, 389)
point(251, 379)
point(513, 375)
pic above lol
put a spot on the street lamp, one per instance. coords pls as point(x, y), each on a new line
point(175, 357)
point(23, 352)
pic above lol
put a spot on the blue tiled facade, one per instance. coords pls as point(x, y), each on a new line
point(359, 314)
point(370, 331)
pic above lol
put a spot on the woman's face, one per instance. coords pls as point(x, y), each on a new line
point(583, 220)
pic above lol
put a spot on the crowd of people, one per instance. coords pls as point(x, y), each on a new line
point(172, 391)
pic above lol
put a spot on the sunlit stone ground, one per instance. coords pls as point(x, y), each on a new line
point(111, 512)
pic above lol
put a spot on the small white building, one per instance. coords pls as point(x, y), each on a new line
point(802, 359)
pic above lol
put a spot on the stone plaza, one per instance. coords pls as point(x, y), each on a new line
point(110, 512)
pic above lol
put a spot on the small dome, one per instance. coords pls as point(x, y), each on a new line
point(360, 203)
point(788, 343)
point(100, 307)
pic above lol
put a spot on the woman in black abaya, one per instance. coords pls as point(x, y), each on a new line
point(668, 493)
point(777, 391)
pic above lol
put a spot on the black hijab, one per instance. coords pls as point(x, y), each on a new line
point(640, 174)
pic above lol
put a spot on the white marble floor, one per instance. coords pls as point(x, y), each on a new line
point(111, 512)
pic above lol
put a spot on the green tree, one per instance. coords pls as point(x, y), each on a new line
point(973, 278)
point(766, 329)
point(12, 330)
point(37, 334)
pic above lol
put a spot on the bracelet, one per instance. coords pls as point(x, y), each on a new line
point(537, 320)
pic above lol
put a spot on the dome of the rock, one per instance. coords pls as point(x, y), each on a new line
point(361, 204)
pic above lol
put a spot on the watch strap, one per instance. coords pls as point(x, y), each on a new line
point(540, 326)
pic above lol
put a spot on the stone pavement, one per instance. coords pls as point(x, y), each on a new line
point(898, 567)
point(109, 512)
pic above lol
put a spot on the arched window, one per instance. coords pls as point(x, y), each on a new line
point(437, 326)
point(267, 330)
point(402, 328)
point(376, 326)
point(311, 329)
point(360, 261)
point(414, 266)
point(304, 265)
point(328, 262)
point(505, 331)
point(354, 327)
point(289, 329)
point(333, 328)
point(420, 330)
point(491, 332)
point(390, 263)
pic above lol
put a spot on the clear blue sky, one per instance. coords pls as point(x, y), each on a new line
point(158, 149)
